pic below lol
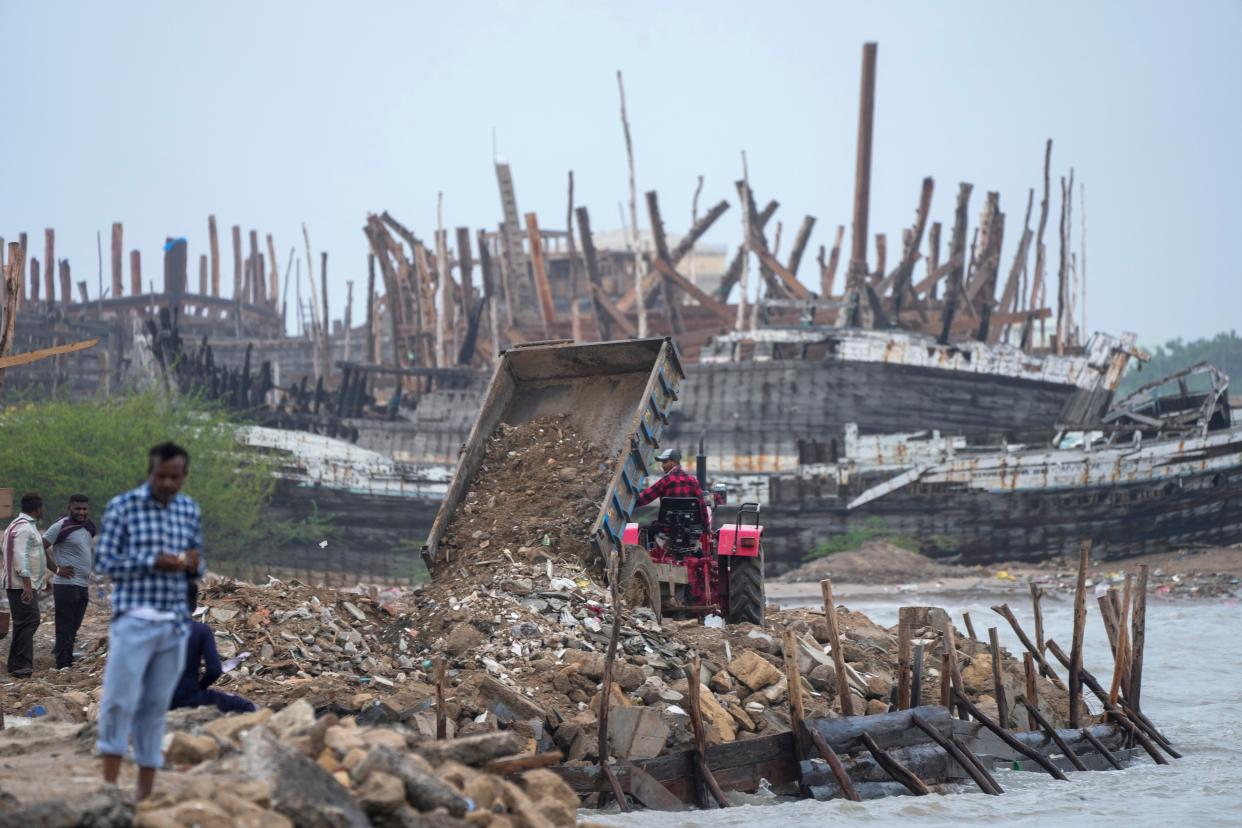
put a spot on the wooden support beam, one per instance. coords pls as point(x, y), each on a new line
point(700, 742)
point(118, 288)
point(36, 284)
point(672, 297)
point(202, 274)
point(957, 256)
point(1005, 612)
point(975, 770)
point(970, 627)
point(17, 360)
point(793, 678)
point(903, 657)
point(49, 264)
point(1005, 736)
point(273, 282)
point(465, 266)
point(601, 306)
point(998, 684)
point(1051, 733)
point(651, 279)
point(135, 272)
point(704, 299)
point(66, 282)
point(213, 243)
point(955, 668)
point(862, 170)
point(1138, 638)
point(1080, 623)
point(237, 263)
point(828, 272)
point(834, 763)
point(894, 768)
point(547, 310)
point(799, 245)
point(838, 654)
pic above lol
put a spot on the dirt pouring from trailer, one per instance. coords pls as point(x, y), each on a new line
point(519, 617)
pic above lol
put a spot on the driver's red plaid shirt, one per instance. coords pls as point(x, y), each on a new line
point(676, 483)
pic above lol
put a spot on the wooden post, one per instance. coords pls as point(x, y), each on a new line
point(1080, 622)
point(35, 285)
point(955, 669)
point(793, 677)
point(349, 314)
point(862, 170)
point(1139, 638)
point(614, 635)
point(66, 283)
point(135, 272)
point(202, 275)
point(838, 655)
point(603, 320)
point(834, 763)
point(213, 243)
point(547, 309)
point(441, 718)
point(373, 339)
point(1002, 703)
point(903, 658)
point(1121, 652)
point(49, 264)
point(465, 264)
point(1107, 615)
point(1005, 612)
point(828, 272)
point(972, 767)
point(258, 294)
point(1100, 749)
point(1007, 738)
point(325, 328)
point(237, 263)
point(273, 282)
point(637, 239)
point(894, 768)
point(118, 289)
point(916, 677)
point(946, 681)
point(1054, 736)
point(970, 628)
point(700, 743)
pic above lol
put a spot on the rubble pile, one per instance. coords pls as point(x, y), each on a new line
point(291, 768)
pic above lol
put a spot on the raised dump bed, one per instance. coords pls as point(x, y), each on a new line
point(615, 394)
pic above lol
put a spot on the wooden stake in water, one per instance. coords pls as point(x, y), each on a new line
point(793, 677)
point(998, 686)
point(1139, 638)
point(1032, 689)
point(1036, 594)
point(838, 654)
point(970, 628)
point(955, 670)
point(1121, 656)
point(1044, 667)
point(1080, 622)
point(903, 658)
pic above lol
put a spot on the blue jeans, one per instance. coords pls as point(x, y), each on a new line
point(144, 663)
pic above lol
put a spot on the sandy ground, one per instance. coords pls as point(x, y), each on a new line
point(1214, 572)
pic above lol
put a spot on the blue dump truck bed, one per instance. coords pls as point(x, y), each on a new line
point(616, 394)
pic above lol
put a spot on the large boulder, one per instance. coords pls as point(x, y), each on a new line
point(301, 789)
point(753, 670)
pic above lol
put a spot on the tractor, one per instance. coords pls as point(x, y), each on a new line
point(678, 565)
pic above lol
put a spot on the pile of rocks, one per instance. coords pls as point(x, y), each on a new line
point(290, 768)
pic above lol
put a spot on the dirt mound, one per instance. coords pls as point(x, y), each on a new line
point(873, 562)
point(537, 492)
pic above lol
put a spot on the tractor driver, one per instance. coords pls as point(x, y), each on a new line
point(676, 482)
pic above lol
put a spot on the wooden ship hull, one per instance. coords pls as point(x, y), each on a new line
point(1161, 472)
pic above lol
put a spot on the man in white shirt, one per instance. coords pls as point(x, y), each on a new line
point(23, 575)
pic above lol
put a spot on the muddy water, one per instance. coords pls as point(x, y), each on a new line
point(1192, 690)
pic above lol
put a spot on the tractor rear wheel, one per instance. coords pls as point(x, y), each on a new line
point(639, 583)
point(746, 598)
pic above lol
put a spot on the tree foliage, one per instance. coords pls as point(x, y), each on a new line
point(100, 448)
point(1223, 350)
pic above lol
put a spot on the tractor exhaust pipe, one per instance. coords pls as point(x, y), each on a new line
point(700, 466)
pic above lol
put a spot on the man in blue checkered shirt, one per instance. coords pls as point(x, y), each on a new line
point(149, 545)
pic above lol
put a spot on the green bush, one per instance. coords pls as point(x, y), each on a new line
point(1223, 350)
point(855, 537)
point(100, 448)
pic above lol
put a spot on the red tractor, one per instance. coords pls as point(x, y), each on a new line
point(678, 565)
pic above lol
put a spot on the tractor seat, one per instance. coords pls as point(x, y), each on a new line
point(681, 514)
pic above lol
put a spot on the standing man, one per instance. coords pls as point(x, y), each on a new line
point(69, 540)
point(149, 542)
point(23, 576)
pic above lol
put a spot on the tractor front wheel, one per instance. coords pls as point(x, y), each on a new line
point(746, 598)
point(639, 583)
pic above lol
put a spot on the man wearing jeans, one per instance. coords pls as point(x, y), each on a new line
point(148, 543)
point(69, 540)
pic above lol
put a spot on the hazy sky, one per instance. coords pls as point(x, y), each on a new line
point(273, 113)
